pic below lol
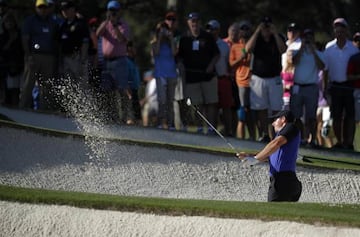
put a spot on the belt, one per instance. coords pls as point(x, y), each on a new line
point(305, 85)
point(113, 58)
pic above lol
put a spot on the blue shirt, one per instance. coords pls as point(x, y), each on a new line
point(284, 159)
point(165, 65)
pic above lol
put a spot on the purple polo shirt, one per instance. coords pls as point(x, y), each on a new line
point(111, 47)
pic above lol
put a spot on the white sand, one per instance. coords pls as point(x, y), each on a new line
point(33, 160)
point(41, 220)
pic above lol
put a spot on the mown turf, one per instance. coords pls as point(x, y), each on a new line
point(325, 214)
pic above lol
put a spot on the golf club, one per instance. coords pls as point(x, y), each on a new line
point(188, 102)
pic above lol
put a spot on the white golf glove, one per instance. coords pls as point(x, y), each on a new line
point(250, 161)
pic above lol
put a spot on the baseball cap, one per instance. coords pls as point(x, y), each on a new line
point(170, 15)
point(340, 21)
point(193, 16)
point(244, 23)
point(308, 32)
point(113, 5)
point(67, 4)
point(266, 19)
point(293, 27)
point(51, 2)
point(286, 113)
point(41, 3)
point(213, 25)
point(356, 36)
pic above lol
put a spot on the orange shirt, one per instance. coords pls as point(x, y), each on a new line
point(243, 72)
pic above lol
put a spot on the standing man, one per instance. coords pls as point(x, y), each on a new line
point(40, 35)
point(282, 153)
point(115, 34)
point(308, 61)
point(74, 44)
point(224, 81)
point(199, 53)
point(266, 45)
point(336, 55)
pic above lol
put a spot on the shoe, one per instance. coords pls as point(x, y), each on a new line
point(170, 128)
point(337, 146)
point(211, 131)
point(200, 130)
point(265, 139)
point(312, 145)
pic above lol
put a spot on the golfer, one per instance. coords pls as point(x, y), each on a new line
point(282, 152)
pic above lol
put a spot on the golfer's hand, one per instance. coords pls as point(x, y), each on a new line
point(250, 161)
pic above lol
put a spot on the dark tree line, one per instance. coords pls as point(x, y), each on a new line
point(144, 14)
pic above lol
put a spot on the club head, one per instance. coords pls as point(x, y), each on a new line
point(188, 102)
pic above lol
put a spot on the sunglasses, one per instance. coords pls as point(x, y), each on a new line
point(245, 28)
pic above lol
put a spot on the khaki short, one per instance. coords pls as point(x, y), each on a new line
point(205, 92)
point(266, 93)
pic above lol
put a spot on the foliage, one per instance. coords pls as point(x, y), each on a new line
point(144, 14)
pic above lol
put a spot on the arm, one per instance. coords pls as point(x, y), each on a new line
point(101, 29)
point(279, 41)
point(270, 148)
point(250, 45)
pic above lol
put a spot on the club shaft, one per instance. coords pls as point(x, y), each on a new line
point(217, 132)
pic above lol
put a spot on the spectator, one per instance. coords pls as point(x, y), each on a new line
point(356, 40)
point(324, 137)
point(3, 10)
point(115, 34)
point(308, 61)
point(163, 51)
point(74, 45)
point(337, 54)
point(40, 42)
point(12, 59)
point(181, 110)
point(232, 38)
point(266, 45)
point(353, 75)
point(198, 53)
point(226, 100)
point(94, 65)
point(287, 73)
point(133, 112)
point(287, 76)
point(149, 103)
point(240, 60)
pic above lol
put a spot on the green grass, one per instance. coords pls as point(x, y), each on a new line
point(324, 214)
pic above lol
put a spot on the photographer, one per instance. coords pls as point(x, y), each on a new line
point(266, 91)
point(115, 34)
point(163, 51)
point(308, 62)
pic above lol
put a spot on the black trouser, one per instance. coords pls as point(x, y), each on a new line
point(284, 187)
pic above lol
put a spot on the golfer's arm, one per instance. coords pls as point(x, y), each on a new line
point(270, 148)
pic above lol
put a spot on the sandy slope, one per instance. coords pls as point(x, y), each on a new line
point(40, 220)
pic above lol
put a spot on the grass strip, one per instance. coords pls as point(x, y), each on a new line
point(323, 214)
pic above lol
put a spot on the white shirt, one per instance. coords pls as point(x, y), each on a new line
point(294, 45)
point(336, 60)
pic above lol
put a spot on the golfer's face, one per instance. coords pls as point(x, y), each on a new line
point(278, 123)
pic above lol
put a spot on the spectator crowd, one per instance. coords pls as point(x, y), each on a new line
point(236, 82)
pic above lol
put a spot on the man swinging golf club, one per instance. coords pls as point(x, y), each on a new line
point(282, 153)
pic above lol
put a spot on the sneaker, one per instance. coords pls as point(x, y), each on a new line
point(211, 131)
point(200, 130)
point(265, 139)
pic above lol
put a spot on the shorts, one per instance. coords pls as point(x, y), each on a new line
point(357, 104)
point(266, 93)
point(226, 99)
point(304, 97)
point(205, 92)
point(284, 187)
point(115, 74)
